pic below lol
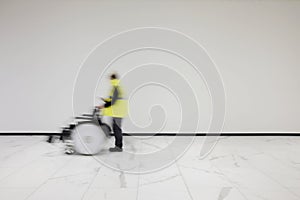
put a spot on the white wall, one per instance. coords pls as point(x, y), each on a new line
point(255, 45)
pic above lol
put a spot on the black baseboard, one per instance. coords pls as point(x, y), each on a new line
point(163, 134)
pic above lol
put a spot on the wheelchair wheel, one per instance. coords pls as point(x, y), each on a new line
point(88, 138)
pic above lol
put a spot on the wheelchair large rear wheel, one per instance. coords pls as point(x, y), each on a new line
point(89, 138)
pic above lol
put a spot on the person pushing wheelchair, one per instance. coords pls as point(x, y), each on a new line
point(115, 106)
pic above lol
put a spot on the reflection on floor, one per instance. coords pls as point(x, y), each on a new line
point(237, 168)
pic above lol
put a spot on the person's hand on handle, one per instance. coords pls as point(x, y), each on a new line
point(100, 107)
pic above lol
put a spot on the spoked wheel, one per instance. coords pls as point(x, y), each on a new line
point(88, 138)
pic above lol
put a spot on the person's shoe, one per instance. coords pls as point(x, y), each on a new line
point(115, 149)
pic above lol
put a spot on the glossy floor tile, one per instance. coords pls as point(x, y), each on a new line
point(154, 168)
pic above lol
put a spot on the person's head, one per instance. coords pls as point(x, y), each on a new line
point(113, 76)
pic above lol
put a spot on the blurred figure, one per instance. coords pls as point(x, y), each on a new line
point(116, 107)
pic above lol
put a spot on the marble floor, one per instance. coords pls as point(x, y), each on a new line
point(153, 168)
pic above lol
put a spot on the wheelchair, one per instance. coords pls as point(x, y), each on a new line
point(87, 135)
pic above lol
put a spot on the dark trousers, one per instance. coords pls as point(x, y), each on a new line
point(117, 122)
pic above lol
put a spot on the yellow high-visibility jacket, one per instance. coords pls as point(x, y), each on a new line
point(116, 105)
